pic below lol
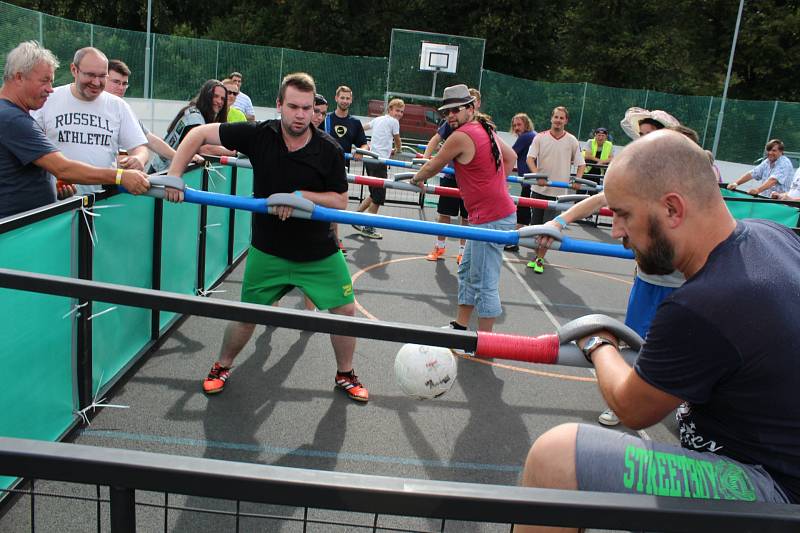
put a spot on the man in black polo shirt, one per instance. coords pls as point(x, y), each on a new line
point(287, 156)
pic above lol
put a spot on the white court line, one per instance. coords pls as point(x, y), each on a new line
point(642, 433)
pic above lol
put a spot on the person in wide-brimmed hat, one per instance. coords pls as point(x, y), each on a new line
point(480, 159)
point(638, 121)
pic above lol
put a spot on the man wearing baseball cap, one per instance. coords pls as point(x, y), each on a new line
point(599, 151)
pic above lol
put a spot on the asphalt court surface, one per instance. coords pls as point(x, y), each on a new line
point(280, 406)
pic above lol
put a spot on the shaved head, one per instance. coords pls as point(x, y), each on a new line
point(662, 162)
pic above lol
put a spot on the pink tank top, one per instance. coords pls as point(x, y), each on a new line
point(483, 189)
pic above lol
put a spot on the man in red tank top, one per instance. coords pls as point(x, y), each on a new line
point(481, 159)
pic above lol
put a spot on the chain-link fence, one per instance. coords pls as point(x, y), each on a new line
point(180, 65)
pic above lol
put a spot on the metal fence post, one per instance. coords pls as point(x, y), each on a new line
point(708, 119)
point(123, 510)
point(216, 64)
point(280, 69)
point(583, 104)
point(771, 122)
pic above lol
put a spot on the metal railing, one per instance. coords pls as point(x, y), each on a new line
point(126, 471)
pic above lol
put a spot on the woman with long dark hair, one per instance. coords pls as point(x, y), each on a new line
point(210, 105)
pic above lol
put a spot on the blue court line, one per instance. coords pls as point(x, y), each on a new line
point(274, 450)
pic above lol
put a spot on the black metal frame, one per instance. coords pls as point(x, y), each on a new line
point(126, 470)
point(236, 311)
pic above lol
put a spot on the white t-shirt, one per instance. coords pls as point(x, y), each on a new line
point(555, 157)
point(244, 104)
point(794, 190)
point(91, 132)
point(384, 128)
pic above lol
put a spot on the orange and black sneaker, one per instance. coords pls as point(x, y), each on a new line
point(436, 254)
point(215, 381)
point(349, 383)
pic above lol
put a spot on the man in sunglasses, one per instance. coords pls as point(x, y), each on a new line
point(448, 207)
point(242, 102)
point(234, 114)
point(481, 160)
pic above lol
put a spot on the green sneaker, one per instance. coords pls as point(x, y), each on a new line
point(537, 265)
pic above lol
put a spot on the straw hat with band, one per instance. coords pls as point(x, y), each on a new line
point(456, 96)
point(636, 115)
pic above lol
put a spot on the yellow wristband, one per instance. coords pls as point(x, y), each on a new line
point(118, 180)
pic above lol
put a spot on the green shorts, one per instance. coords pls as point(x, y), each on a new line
point(326, 282)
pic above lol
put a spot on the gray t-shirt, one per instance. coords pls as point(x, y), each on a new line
point(23, 185)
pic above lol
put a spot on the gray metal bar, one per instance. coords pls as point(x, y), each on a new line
point(385, 495)
point(242, 312)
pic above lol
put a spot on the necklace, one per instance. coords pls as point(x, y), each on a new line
point(299, 147)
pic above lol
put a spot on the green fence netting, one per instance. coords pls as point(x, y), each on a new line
point(780, 213)
point(180, 253)
point(217, 226)
point(244, 187)
point(39, 400)
point(123, 254)
point(41, 335)
point(180, 65)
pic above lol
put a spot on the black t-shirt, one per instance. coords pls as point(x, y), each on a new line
point(348, 131)
point(317, 167)
point(728, 342)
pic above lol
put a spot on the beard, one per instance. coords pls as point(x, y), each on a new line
point(658, 259)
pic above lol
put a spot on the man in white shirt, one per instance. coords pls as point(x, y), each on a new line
point(385, 141)
point(794, 190)
point(88, 124)
point(553, 152)
point(775, 172)
point(243, 102)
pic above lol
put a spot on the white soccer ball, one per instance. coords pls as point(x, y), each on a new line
point(424, 372)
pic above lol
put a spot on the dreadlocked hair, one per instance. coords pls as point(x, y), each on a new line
point(486, 122)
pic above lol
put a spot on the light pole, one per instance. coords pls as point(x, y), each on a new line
point(727, 81)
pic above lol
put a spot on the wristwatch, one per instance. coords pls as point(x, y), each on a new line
point(592, 344)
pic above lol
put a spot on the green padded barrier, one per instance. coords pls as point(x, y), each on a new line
point(217, 226)
point(123, 254)
point(180, 246)
point(782, 214)
point(244, 187)
point(37, 342)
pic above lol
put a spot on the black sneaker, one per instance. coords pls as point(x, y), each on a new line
point(511, 248)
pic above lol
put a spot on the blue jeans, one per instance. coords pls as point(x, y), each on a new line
point(479, 272)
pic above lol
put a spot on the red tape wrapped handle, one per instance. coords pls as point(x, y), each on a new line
point(542, 349)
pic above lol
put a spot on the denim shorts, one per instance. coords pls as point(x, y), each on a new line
point(611, 461)
point(479, 271)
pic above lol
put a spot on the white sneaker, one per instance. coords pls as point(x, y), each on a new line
point(608, 418)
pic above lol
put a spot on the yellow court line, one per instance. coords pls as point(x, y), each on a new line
point(557, 375)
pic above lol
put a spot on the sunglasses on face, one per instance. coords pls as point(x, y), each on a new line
point(456, 110)
point(234, 93)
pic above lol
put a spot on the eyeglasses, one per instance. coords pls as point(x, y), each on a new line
point(456, 110)
point(319, 112)
point(92, 75)
point(234, 93)
point(119, 82)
